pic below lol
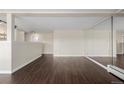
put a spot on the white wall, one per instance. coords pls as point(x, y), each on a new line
point(5, 57)
point(68, 43)
point(33, 37)
point(24, 53)
point(98, 40)
point(19, 35)
point(97, 43)
point(44, 37)
point(5, 49)
point(47, 40)
point(28, 36)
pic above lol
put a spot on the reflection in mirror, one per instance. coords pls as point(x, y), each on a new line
point(105, 45)
point(119, 39)
point(99, 43)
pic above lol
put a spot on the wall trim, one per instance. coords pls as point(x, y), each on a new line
point(96, 62)
point(68, 55)
point(21, 66)
point(47, 53)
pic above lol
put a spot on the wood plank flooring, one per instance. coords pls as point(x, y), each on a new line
point(60, 70)
point(103, 60)
point(118, 61)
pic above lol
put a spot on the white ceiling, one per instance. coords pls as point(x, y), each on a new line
point(55, 23)
point(57, 10)
point(31, 20)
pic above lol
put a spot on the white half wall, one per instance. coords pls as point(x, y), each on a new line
point(68, 43)
point(43, 37)
point(24, 53)
point(5, 57)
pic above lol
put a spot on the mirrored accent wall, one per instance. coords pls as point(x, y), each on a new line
point(99, 42)
point(118, 37)
point(105, 45)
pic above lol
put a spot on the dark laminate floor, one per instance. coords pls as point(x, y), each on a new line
point(118, 61)
point(60, 70)
point(103, 60)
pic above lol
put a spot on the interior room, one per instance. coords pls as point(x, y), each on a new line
point(62, 46)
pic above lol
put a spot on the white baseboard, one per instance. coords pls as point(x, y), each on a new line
point(68, 55)
point(96, 62)
point(5, 72)
point(116, 71)
point(48, 53)
point(19, 67)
